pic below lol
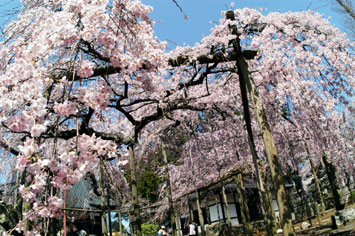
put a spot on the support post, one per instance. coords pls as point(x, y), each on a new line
point(170, 194)
point(278, 178)
point(244, 209)
point(103, 198)
point(136, 212)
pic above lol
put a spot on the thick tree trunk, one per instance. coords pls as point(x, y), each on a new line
point(103, 198)
point(270, 148)
point(334, 184)
point(170, 196)
point(244, 209)
point(136, 222)
point(315, 176)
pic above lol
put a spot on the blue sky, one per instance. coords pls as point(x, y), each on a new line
point(171, 25)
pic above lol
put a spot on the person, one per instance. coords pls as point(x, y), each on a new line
point(193, 229)
point(170, 232)
point(162, 232)
point(82, 233)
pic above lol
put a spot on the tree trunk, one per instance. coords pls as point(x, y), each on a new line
point(244, 209)
point(270, 148)
point(170, 196)
point(103, 198)
point(136, 222)
point(333, 181)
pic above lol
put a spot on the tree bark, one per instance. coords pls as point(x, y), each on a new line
point(333, 181)
point(136, 222)
point(170, 196)
point(244, 209)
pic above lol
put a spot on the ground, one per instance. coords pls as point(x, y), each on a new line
point(326, 228)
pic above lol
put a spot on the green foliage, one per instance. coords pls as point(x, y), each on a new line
point(149, 229)
point(148, 185)
point(352, 197)
point(8, 216)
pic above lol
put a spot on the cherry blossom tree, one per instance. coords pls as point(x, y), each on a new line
point(81, 80)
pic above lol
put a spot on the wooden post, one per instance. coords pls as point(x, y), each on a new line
point(109, 212)
point(226, 205)
point(217, 206)
point(177, 218)
point(269, 215)
point(278, 178)
point(120, 222)
point(170, 195)
point(65, 213)
point(136, 212)
point(200, 215)
point(103, 198)
point(244, 209)
point(269, 208)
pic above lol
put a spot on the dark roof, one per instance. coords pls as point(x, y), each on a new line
point(79, 196)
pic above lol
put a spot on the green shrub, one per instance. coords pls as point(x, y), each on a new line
point(149, 229)
point(352, 198)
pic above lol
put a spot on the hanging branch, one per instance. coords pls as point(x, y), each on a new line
point(180, 8)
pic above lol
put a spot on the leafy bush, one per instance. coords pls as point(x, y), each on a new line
point(149, 229)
